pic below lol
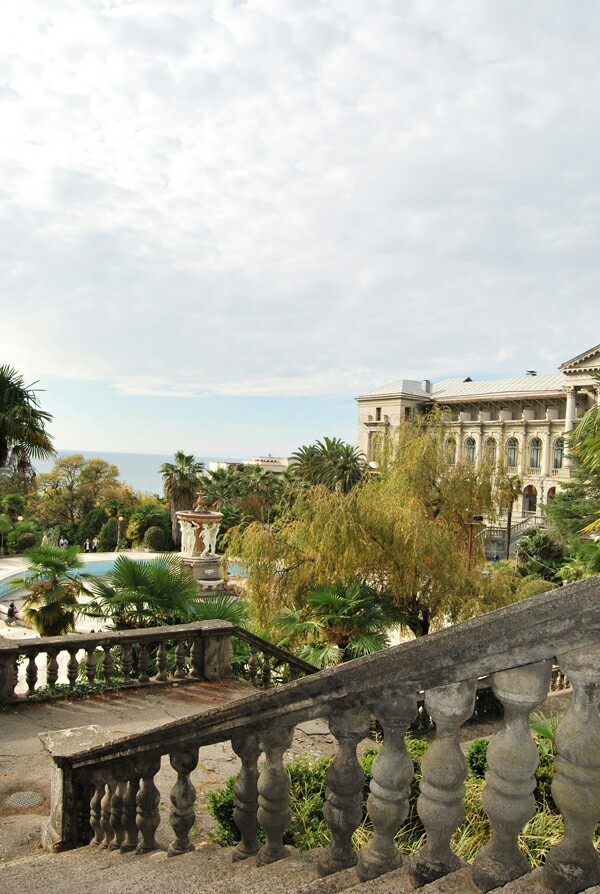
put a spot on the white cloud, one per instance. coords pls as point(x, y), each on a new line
point(279, 198)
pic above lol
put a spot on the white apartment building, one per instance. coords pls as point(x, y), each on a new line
point(520, 421)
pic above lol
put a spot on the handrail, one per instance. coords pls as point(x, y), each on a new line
point(265, 646)
point(517, 635)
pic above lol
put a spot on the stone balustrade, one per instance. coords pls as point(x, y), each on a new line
point(142, 657)
point(104, 792)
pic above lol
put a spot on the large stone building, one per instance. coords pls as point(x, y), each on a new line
point(520, 421)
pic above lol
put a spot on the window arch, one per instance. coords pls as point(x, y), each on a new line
point(535, 453)
point(512, 452)
point(451, 451)
point(490, 451)
point(470, 449)
point(559, 450)
point(530, 499)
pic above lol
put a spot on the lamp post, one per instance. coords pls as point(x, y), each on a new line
point(119, 526)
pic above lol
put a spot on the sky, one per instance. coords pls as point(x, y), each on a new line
point(221, 221)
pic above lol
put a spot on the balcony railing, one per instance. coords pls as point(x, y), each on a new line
point(104, 792)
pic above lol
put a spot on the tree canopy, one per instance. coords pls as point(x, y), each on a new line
point(330, 462)
point(181, 484)
point(404, 531)
point(23, 434)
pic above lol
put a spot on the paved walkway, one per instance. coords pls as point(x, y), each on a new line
point(25, 765)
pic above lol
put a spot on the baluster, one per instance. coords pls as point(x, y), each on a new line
point(130, 829)
point(105, 811)
point(143, 664)
point(266, 670)
point(180, 670)
point(51, 668)
point(161, 660)
point(96, 807)
point(126, 663)
point(253, 665)
point(148, 799)
point(274, 794)
point(31, 674)
point(345, 781)
point(107, 664)
point(245, 792)
point(72, 667)
point(196, 657)
point(117, 806)
point(440, 804)
point(90, 665)
point(573, 865)
point(393, 770)
point(183, 796)
point(510, 779)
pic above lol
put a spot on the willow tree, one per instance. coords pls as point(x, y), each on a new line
point(404, 530)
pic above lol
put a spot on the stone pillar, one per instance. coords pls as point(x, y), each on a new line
point(440, 804)
point(245, 792)
point(274, 794)
point(573, 865)
point(569, 421)
point(345, 782)
point(510, 779)
point(393, 771)
point(8, 670)
point(479, 447)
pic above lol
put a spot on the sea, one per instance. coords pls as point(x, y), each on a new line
point(140, 470)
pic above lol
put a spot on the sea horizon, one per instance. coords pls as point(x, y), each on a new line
point(140, 470)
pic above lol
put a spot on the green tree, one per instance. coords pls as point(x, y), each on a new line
point(540, 554)
point(75, 487)
point(157, 592)
point(577, 505)
point(339, 622)
point(330, 462)
point(405, 531)
point(13, 505)
point(181, 484)
point(23, 434)
point(5, 528)
point(508, 488)
point(54, 586)
point(149, 513)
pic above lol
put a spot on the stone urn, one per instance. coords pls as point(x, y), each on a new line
point(199, 530)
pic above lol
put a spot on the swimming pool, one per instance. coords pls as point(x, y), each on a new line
point(102, 566)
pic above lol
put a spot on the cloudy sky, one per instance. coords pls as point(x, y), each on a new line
point(222, 220)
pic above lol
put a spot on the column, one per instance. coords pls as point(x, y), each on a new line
point(569, 421)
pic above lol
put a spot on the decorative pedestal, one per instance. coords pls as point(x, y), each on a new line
point(199, 530)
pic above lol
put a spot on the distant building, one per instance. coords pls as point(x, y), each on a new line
point(520, 421)
point(276, 464)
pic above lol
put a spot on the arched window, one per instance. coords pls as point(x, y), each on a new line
point(451, 451)
point(535, 453)
point(490, 451)
point(559, 447)
point(530, 499)
point(512, 452)
point(551, 493)
point(470, 450)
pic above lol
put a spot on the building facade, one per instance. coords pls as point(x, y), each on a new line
point(517, 423)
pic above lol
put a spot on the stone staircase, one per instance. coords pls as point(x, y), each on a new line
point(212, 871)
point(105, 791)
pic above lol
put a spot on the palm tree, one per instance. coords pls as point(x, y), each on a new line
point(339, 622)
point(22, 422)
point(54, 585)
point(180, 480)
point(509, 488)
point(331, 462)
point(153, 593)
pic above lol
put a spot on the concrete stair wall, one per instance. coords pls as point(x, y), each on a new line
point(211, 871)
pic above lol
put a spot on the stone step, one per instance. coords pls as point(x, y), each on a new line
point(211, 870)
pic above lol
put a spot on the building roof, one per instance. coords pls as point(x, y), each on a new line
point(518, 386)
point(464, 388)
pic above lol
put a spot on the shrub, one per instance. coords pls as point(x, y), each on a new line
point(25, 541)
point(477, 757)
point(154, 539)
point(107, 539)
point(308, 784)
